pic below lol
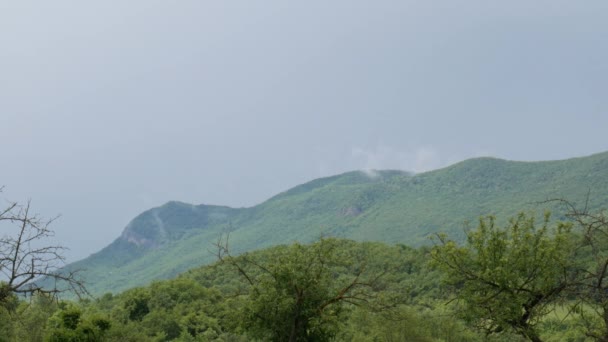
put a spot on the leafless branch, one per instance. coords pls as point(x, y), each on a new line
point(25, 260)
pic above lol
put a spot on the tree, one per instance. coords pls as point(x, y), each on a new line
point(591, 286)
point(68, 324)
point(294, 295)
point(508, 278)
point(25, 256)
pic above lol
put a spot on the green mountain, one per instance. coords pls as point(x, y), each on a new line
point(386, 206)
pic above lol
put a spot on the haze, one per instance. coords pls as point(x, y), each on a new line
point(109, 108)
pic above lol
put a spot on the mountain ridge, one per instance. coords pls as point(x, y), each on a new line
point(386, 205)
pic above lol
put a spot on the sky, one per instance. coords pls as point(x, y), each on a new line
point(109, 108)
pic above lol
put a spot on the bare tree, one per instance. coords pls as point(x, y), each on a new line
point(26, 258)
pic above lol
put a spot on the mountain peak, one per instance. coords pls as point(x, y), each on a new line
point(157, 226)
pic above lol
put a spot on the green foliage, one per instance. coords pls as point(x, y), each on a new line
point(296, 297)
point(25, 320)
point(216, 303)
point(404, 303)
point(176, 309)
point(6, 325)
point(406, 323)
point(136, 304)
point(8, 299)
point(69, 325)
point(507, 278)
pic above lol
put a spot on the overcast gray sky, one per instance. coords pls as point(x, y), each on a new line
point(108, 108)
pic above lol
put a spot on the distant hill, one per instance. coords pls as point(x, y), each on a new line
point(386, 206)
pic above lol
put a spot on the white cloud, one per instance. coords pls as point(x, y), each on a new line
point(383, 157)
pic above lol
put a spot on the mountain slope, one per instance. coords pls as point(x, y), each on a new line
point(388, 206)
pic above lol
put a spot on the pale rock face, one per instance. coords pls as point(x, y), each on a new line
point(151, 240)
point(139, 241)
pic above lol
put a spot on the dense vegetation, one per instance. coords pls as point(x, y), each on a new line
point(387, 293)
point(517, 282)
point(388, 206)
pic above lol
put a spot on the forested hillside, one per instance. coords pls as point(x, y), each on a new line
point(393, 295)
point(385, 206)
point(333, 289)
